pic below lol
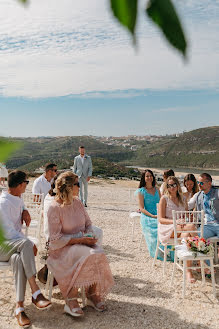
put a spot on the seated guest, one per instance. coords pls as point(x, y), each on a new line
point(166, 174)
point(19, 251)
point(207, 199)
point(191, 186)
point(173, 200)
point(73, 249)
point(43, 183)
point(98, 232)
point(149, 196)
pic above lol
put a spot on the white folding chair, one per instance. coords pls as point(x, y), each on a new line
point(4, 267)
point(182, 255)
point(215, 241)
point(133, 217)
point(164, 250)
point(34, 204)
point(49, 287)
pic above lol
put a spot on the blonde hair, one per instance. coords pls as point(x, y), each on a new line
point(179, 192)
point(64, 187)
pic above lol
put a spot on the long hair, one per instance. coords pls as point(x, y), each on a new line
point(179, 193)
point(192, 178)
point(142, 181)
point(64, 187)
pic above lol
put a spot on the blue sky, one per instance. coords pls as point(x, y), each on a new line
point(68, 68)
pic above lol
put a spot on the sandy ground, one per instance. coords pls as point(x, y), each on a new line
point(141, 297)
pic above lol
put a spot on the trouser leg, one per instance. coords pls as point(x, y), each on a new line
point(21, 257)
point(19, 276)
point(80, 180)
point(85, 189)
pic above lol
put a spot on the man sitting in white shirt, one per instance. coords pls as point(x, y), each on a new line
point(18, 249)
point(43, 183)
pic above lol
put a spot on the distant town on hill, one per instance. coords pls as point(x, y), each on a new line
point(194, 149)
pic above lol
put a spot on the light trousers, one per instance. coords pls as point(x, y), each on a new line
point(83, 189)
point(20, 255)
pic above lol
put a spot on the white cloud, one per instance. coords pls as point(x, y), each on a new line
point(57, 48)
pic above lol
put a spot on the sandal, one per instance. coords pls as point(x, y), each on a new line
point(100, 306)
point(73, 311)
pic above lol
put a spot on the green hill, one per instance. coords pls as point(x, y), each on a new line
point(197, 148)
point(36, 151)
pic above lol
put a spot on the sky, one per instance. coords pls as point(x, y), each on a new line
point(68, 68)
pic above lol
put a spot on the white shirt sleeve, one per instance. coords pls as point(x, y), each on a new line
point(36, 187)
point(192, 201)
point(8, 225)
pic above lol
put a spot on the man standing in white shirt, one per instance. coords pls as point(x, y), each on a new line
point(43, 183)
point(18, 249)
point(83, 169)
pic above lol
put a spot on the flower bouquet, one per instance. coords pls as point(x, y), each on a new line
point(197, 244)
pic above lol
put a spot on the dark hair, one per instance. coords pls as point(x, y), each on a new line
point(192, 178)
point(53, 185)
point(168, 173)
point(142, 181)
point(207, 176)
point(16, 178)
point(81, 147)
point(50, 166)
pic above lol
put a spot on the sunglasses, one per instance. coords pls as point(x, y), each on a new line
point(201, 183)
point(171, 185)
point(76, 184)
point(26, 181)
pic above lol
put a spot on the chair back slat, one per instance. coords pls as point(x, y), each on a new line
point(187, 217)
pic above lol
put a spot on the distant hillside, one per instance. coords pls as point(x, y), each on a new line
point(198, 148)
point(62, 150)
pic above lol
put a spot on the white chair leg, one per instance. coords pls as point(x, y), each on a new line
point(202, 271)
point(51, 285)
point(212, 277)
point(140, 242)
point(184, 279)
point(133, 229)
point(83, 297)
point(164, 259)
point(174, 269)
point(156, 252)
point(215, 253)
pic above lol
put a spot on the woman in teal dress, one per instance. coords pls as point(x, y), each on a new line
point(149, 196)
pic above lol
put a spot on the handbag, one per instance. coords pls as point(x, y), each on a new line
point(42, 274)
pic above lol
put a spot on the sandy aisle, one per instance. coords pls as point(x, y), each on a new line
point(141, 297)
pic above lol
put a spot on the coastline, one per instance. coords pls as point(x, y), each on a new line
point(178, 173)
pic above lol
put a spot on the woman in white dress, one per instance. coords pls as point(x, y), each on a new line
point(173, 199)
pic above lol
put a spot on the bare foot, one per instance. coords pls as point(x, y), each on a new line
point(74, 304)
point(98, 304)
point(190, 277)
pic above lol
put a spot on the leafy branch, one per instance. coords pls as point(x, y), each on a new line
point(161, 12)
point(6, 149)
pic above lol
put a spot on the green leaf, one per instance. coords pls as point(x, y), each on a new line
point(163, 13)
point(6, 148)
point(2, 239)
point(126, 13)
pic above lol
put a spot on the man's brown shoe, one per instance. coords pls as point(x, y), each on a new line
point(41, 302)
point(23, 320)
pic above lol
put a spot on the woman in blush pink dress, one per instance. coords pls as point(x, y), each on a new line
point(173, 199)
point(74, 258)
